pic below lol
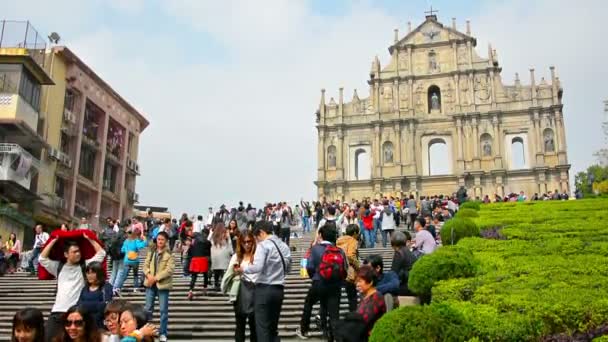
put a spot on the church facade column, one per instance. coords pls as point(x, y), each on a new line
point(537, 139)
point(476, 145)
point(377, 167)
point(459, 142)
point(340, 155)
point(457, 82)
point(321, 155)
point(561, 138)
point(412, 149)
point(497, 143)
point(397, 129)
point(396, 95)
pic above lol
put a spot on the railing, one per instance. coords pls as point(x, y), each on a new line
point(16, 149)
point(22, 35)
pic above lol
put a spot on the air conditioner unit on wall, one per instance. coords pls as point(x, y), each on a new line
point(54, 154)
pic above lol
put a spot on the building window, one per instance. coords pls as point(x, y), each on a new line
point(518, 155)
point(70, 99)
point(362, 165)
point(109, 177)
point(87, 162)
point(60, 187)
point(439, 158)
point(29, 89)
point(9, 78)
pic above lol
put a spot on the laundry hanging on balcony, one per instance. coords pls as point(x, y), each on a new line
point(25, 164)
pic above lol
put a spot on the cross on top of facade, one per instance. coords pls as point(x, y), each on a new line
point(431, 12)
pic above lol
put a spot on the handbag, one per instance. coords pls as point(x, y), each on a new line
point(245, 297)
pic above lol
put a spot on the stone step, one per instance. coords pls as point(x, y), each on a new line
point(209, 317)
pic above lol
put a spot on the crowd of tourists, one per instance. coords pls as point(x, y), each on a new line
point(245, 253)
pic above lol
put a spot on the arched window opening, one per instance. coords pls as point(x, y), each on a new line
point(518, 155)
point(362, 165)
point(434, 99)
point(331, 156)
point(549, 143)
point(439, 158)
point(387, 152)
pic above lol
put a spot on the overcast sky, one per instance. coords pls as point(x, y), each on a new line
point(230, 86)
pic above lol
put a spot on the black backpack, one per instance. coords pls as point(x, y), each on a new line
point(115, 246)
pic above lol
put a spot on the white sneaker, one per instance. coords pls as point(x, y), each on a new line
point(163, 338)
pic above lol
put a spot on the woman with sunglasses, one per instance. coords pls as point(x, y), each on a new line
point(79, 326)
point(243, 306)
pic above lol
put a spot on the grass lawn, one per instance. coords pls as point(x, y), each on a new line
point(546, 275)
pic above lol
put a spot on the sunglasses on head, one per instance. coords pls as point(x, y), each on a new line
point(78, 323)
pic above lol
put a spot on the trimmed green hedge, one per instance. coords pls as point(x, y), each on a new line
point(548, 277)
point(467, 213)
point(458, 228)
point(444, 263)
point(475, 205)
point(422, 323)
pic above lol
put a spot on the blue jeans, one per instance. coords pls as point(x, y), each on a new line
point(116, 268)
point(386, 235)
point(306, 224)
point(163, 302)
point(33, 263)
point(370, 238)
point(124, 273)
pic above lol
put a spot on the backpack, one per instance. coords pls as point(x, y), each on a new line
point(332, 268)
point(115, 247)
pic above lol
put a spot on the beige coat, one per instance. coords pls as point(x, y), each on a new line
point(164, 274)
point(350, 247)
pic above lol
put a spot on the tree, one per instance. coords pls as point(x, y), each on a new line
point(588, 181)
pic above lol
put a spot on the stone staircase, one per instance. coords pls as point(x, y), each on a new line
point(208, 317)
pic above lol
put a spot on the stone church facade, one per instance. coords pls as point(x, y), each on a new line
point(437, 91)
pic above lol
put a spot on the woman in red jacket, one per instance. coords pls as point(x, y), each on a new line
point(368, 227)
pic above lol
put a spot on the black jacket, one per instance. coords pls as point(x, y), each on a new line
point(402, 265)
point(200, 247)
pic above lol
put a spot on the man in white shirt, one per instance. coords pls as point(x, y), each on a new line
point(210, 217)
point(39, 241)
point(198, 225)
point(424, 239)
point(377, 209)
point(70, 279)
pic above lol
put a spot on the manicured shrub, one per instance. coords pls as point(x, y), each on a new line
point(458, 228)
point(476, 205)
point(467, 212)
point(445, 263)
point(437, 322)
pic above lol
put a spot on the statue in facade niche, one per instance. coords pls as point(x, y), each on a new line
point(435, 101)
point(549, 144)
point(433, 66)
point(388, 153)
point(331, 159)
point(487, 149)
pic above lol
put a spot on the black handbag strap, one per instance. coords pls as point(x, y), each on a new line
point(281, 254)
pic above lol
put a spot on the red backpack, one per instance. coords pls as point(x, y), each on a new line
point(332, 269)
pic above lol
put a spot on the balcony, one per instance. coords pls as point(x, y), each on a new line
point(90, 142)
point(17, 167)
point(133, 166)
point(132, 197)
point(54, 202)
point(13, 107)
point(69, 116)
point(69, 129)
point(113, 158)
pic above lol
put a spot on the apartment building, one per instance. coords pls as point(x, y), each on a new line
point(68, 141)
point(93, 137)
